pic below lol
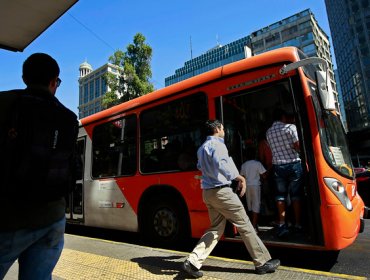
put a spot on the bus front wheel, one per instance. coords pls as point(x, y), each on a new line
point(164, 221)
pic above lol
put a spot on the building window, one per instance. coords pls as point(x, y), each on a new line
point(366, 61)
point(80, 95)
point(86, 93)
point(97, 87)
point(359, 27)
point(355, 7)
point(97, 106)
point(306, 38)
point(304, 13)
point(292, 18)
point(272, 38)
point(304, 25)
point(103, 87)
point(309, 49)
point(289, 31)
point(91, 85)
point(293, 42)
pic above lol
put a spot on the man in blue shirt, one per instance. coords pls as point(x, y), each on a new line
point(218, 170)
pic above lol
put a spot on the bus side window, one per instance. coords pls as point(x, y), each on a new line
point(170, 134)
point(114, 148)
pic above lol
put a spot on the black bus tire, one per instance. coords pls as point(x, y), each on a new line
point(164, 221)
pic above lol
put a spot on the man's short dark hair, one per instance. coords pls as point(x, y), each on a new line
point(211, 126)
point(40, 69)
point(278, 114)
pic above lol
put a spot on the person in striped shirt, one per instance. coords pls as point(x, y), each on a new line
point(283, 139)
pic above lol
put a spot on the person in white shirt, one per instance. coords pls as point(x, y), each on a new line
point(253, 170)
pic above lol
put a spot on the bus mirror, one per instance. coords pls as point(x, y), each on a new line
point(325, 90)
point(323, 83)
point(307, 61)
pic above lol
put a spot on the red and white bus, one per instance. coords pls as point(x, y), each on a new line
point(138, 159)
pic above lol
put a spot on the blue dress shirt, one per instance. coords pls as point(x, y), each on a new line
point(217, 167)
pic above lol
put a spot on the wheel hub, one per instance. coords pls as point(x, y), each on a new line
point(165, 223)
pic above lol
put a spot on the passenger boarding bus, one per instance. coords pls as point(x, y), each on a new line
point(138, 172)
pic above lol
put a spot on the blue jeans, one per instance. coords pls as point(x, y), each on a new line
point(288, 180)
point(37, 251)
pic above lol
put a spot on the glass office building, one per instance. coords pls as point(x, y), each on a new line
point(215, 57)
point(92, 87)
point(350, 30)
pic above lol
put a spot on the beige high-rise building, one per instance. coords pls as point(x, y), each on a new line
point(92, 87)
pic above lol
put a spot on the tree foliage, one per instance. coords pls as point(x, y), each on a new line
point(133, 81)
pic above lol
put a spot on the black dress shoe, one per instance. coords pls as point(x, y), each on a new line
point(191, 269)
point(268, 267)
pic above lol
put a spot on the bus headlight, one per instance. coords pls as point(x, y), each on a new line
point(339, 191)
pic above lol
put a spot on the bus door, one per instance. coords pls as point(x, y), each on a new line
point(246, 116)
point(74, 210)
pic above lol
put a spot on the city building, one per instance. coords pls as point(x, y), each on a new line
point(92, 87)
point(340, 97)
point(350, 29)
point(215, 57)
point(300, 30)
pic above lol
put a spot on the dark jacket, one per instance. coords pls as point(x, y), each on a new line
point(37, 157)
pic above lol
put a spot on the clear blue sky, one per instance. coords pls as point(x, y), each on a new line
point(92, 30)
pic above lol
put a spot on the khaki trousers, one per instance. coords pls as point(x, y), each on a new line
point(223, 204)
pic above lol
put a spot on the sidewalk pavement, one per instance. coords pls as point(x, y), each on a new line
point(91, 259)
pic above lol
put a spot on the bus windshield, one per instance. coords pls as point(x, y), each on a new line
point(333, 139)
point(334, 144)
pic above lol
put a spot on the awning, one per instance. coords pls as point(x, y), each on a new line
point(22, 21)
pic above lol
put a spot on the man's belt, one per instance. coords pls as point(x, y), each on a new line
point(222, 186)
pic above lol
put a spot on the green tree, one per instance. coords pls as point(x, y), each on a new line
point(134, 78)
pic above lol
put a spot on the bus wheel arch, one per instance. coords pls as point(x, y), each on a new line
point(163, 216)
